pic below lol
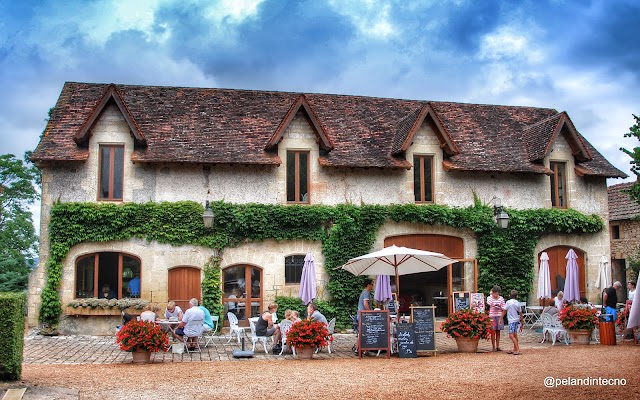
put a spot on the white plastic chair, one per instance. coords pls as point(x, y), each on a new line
point(551, 324)
point(196, 342)
point(255, 338)
point(208, 336)
point(285, 325)
point(331, 327)
point(234, 329)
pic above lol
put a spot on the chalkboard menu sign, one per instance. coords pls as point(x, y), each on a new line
point(424, 318)
point(461, 300)
point(392, 306)
point(373, 331)
point(407, 341)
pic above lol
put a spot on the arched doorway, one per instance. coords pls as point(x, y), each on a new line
point(242, 287)
point(558, 268)
point(435, 287)
point(184, 284)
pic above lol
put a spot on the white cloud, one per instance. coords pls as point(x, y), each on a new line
point(370, 17)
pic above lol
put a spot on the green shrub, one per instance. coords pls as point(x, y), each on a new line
point(12, 332)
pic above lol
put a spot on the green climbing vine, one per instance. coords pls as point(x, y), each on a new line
point(505, 257)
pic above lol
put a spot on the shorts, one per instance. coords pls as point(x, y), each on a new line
point(496, 323)
point(270, 331)
point(514, 327)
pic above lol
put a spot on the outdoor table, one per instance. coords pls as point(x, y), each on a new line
point(536, 311)
point(172, 325)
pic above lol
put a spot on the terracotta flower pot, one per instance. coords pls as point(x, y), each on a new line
point(580, 336)
point(467, 345)
point(141, 356)
point(304, 353)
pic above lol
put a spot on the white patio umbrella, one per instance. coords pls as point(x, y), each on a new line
point(394, 260)
point(604, 274)
point(544, 278)
point(571, 288)
point(308, 280)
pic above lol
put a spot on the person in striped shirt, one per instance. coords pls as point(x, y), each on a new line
point(496, 306)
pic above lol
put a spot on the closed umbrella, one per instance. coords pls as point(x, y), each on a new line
point(571, 288)
point(308, 280)
point(544, 278)
point(604, 274)
point(394, 260)
point(383, 289)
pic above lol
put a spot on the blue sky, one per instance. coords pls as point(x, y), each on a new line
point(577, 56)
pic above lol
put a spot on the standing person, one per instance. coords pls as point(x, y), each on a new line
point(610, 300)
point(364, 303)
point(312, 312)
point(133, 287)
point(192, 332)
point(631, 285)
point(496, 306)
point(513, 311)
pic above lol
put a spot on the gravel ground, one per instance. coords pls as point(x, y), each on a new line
point(446, 376)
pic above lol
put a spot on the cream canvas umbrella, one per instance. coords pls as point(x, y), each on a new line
point(544, 278)
point(604, 274)
point(394, 260)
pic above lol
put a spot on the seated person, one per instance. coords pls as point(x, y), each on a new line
point(312, 312)
point(208, 321)
point(559, 300)
point(292, 315)
point(173, 311)
point(149, 313)
point(107, 293)
point(133, 287)
point(192, 332)
point(550, 309)
point(265, 325)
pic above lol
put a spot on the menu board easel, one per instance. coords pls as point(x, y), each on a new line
point(373, 331)
point(423, 319)
point(407, 340)
point(477, 302)
point(461, 300)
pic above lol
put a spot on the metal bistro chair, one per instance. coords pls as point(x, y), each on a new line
point(255, 338)
point(208, 336)
point(195, 340)
point(234, 328)
point(530, 318)
point(551, 324)
point(285, 325)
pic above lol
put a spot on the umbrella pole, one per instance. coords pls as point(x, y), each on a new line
point(397, 286)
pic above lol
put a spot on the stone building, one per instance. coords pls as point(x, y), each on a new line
point(121, 143)
point(624, 226)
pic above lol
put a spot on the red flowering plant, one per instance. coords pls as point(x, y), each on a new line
point(308, 333)
point(467, 324)
point(575, 318)
point(621, 320)
point(141, 335)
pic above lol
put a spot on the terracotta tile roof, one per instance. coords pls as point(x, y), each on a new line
point(209, 126)
point(621, 205)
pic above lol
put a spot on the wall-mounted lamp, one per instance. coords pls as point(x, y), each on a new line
point(500, 216)
point(207, 216)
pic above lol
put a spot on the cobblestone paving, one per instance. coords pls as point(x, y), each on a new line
point(104, 350)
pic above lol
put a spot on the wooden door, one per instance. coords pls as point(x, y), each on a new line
point(558, 269)
point(184, 284)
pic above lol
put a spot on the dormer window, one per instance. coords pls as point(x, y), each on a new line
point(110, 181)
point(423, 179)
point(298, 177)
point(558, 185)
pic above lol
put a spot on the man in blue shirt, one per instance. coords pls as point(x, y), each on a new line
point(364, 303)
point(134, 287)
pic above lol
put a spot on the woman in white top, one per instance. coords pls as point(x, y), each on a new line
point(148, 314)
point(631, 285)
point(559, 300)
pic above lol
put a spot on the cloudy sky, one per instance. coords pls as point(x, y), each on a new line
point(577, 56)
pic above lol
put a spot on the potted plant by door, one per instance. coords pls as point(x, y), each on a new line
point(142, 338)
point(579, 322)
point(306, 335)
point(467, 327)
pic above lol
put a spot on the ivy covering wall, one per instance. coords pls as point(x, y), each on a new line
point(505, 257)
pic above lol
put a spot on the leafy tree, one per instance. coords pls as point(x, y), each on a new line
point(634, 131)
point(18, 242)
